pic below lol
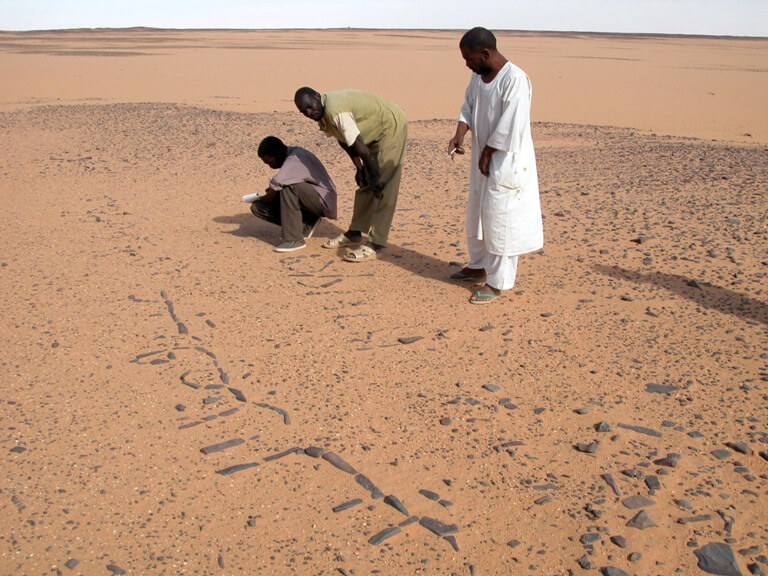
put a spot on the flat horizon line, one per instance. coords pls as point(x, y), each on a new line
point(364, 29)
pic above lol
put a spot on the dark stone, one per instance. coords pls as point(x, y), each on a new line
point(409, 339)
point(668, 462)
point(582, 411)
point(590, 448)
point(542, 500)
point(642, 430)
point(180, 407)
point(452, 541)
point(437, 527)
point(115, 569)
point(445, 421)
point(363, 480)
point(586, 563)
point(221, 446)
point(755, 569)
point(652, 482)
point(635, 556)
point(514, 543)
point(611, 571)
point(314, 451)
point(71, 563)
point(337, 461)
point(660, 389)
point(283, 454)
point(429, 494)
point(603, 427)
point(590, 538)
point(641, 521)
point(409, 521)
point(236, 468)
point(739, 447)
point(692, 519)
point(639, 501)
point(620, 541)
point(721, 453)
point(211, 400)
point(182, 328)
point(18, 449)
point(347, 505)
point(238, 394)
point(491, 387)
point(383, 535)
point(751, 551)
point(393, 501)
point(717, 558)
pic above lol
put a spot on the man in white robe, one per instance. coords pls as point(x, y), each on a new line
point(503, 208)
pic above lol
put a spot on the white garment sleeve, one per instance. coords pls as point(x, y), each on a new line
point(465, 115)
point(346, 124)
point(515, 116)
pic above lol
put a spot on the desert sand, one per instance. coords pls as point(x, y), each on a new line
point(177, 398)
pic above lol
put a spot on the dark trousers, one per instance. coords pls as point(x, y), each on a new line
point(294, 206)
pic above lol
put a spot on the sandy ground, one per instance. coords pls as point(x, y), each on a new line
point(608, 414)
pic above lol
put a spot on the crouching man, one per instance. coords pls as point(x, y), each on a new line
point(299, 195)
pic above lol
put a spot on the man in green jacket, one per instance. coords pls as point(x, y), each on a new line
point(373, 132)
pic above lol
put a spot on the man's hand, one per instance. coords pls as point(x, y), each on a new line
point(485, 160)
point(456, 146)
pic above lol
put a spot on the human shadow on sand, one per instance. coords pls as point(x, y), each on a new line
point(425, 266)
point(705, 295)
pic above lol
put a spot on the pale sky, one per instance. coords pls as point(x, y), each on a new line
point(715, 17)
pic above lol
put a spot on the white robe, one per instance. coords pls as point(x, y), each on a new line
point(503, 208)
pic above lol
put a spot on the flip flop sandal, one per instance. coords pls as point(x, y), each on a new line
point(460, 275)
point(340, 240)
point(360, 254)
point(480, 297)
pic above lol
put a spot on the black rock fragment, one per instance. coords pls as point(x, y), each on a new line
point(394, 501)
point(409, 339)
point(370, 486)
point(115, 569)
point(437, 527)
point(590, 448)
point(429, 494)
point(692, 519)
point(641, 521)
point(638, 501)
point(660, 389)
point(620, 541)
point(236, 468)
point(611, 571)
point(221, 446)
point(642, 430)
point(609, 479)
point(739, 447)
point(338, 462)
point(314, 451)
point(383, 535)
point(347, 505)
point(282, 454)
point(717, 558)
point(452, 541)
point(71, 563)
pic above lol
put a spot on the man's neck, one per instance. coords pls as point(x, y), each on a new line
point(497, 64)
